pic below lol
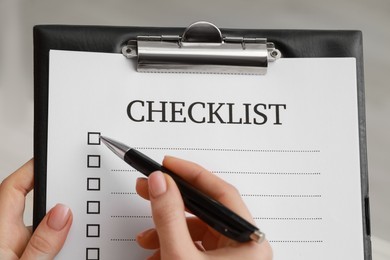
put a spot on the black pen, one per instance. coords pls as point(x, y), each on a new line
point(207, 209)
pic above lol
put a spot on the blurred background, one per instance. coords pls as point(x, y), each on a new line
point(17, 18)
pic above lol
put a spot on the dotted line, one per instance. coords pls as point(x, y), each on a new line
point(125, 216)
point(248, 195)
point(296, 241)
point(282, 195)
point(271, 241)
point(267, 173)
point(262, 218)
point(259, 218)
point(123, 240)
point(229, 150)
point(239, 172)
point(119, 170)
point(197, 72)
point(123, 193)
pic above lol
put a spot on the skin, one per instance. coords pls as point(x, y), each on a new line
point(17, 240)
point(172, 228)
point(174, 236)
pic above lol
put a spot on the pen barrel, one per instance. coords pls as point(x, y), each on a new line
point(215, 214)
point(141, 162)
point(212, 212)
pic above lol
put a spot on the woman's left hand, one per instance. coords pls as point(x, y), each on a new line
point(16, 240)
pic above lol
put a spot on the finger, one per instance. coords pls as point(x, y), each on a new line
point(251, 250)
point(209, 183)
point(13, 233)
point(199, 246)
point(13, 191)
point(142, 188)
point(156, 255)
point(202, 232)
point(198, 230)
point(148, 239)
point(169, 217)
point(50, 235)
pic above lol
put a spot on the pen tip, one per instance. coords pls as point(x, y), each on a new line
point(117, 147)
point(257, 236)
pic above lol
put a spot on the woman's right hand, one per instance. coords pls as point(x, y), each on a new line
point(176, 236)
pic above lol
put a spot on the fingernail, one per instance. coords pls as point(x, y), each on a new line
point(139, 179)
point(157, 184)
point(146, 233)
point(59, 216)
point(199, 246)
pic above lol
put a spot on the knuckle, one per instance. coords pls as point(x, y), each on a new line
point(230, 188)
point(167, 214)
point(10, 185)
point(229, 192)
point(40, 245)
point(4, 183)
point(6, 187)
point(199, 174)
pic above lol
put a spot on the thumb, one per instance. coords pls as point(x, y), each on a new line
point(50, 235)
point(169, 217)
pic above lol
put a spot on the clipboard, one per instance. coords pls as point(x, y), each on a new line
point(109, 39)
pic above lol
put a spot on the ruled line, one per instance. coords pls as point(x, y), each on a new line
point(296, 241)
point(123, 240)
point(245, 195)
point(123, 170)
point(238, 172)
point(123, 193)
point(132, 216)
point(290, 218)
point(271, 241)
point(283, 195)
point(230, 150)
point(255, 218)
point(265, 173)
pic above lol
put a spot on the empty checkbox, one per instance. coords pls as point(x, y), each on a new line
point(93, 161)
point(93, 230)
point(93, 184)
point(93, 253)
point(93, 138)
point(93, 207)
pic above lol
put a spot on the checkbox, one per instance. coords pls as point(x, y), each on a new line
point(93, 184)
point(93, 161)
point(93, 253)
point(93, 230)
point(93, 138)
point(93, 207)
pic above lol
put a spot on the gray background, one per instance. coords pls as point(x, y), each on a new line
point(17, 18)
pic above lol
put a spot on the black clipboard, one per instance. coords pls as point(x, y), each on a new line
point(111, 39)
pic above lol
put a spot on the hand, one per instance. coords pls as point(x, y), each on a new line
point(178, 237)
point(16, 240)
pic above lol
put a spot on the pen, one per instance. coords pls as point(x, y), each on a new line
point(207, 209)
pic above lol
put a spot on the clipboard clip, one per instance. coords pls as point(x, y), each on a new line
point(201, 49)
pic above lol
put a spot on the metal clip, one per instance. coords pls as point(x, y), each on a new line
point(201, 49)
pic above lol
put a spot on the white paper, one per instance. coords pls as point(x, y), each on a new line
point(298, 172)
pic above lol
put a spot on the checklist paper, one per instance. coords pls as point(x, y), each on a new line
point(287, 140)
